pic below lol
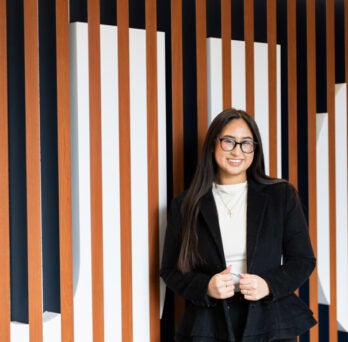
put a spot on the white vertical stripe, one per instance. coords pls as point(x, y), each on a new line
point(238, 74)
point(19, 332)
point(81, 197)
point(51, 327)
point(139, 188)
point(111, 184)
point(279, 117)
point(214, 77)
point(261, 96)
point(341, 206)
point(162, 150)
point(323, 234)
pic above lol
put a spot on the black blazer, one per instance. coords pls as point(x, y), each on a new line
point(278, 250)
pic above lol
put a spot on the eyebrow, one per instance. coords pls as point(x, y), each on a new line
point(230, 136)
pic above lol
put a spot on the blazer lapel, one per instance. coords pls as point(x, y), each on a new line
point(256, 205)
point(209, 214)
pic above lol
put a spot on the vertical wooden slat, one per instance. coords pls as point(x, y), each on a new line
point(272, 84)
point(312, 160)
point(4, 184)
point(177, 113)
point(32, 122)
point(64, 170)
point(152, 146)
point(202, 83)
point(292, 92)
point(125, 167)
point(96, 171)
point(249, 55)
point(330, 74)
point(177, 96)
point(226, 34)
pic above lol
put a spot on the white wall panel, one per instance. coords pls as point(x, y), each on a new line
point(81, 198)
point(341, 206)
point(261, 96)
point(323, 229)
point(19, 332)
point(214, 77)
point(140, 260)
point(111, 184)
point(162, 152)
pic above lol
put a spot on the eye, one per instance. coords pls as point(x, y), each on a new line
point(228, 140)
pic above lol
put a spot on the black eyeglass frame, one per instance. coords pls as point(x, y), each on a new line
point(237, 143)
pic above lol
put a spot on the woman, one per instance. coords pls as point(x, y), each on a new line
point(237, 244)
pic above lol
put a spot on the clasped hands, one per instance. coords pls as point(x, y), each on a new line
point(253, 287)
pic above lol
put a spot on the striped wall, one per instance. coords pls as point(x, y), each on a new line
point(101, 125)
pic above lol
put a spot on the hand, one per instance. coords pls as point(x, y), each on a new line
point(221, 285)
point(253, 287)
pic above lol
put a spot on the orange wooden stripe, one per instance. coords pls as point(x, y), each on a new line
point(125, 168)
point(292, 92)
point(152, 145)
point(330, 62)
point(312, 160)
point(177, 96)
point(64, 170)
point(96, 171)
point(226, 53)
point(4, 185)
point(177, 114)
point(249, 55)
point(272, 84)
point(31, 59)
point(202, 83)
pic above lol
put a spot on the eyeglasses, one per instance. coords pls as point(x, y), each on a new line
point(228, 144)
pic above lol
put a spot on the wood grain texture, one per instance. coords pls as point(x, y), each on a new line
point(64, 171)
point(292, 92)
point(330, 91)
point(96, 169)
point(32, 122)
point(177, 97)
point(272, 85)
point(152, 162)
point(312, 160)
point(202, 82)
point(125, 168)
point(249, 56)
point(226, 36)
point(4, 184)
point(177, 115)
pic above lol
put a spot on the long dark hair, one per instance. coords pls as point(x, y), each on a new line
point(205, 174)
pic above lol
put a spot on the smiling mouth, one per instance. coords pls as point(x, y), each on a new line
point(234, 161)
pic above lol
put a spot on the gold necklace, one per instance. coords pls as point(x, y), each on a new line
point(229, 210)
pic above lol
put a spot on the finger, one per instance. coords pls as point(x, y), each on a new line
point(226, 270)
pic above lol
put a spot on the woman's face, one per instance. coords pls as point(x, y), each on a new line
point(232, 165)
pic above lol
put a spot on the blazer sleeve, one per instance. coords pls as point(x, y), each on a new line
point(298, 257)
point(192, 286)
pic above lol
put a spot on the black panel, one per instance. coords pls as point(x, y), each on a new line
point(190, 90)
point(339, 42)
point(78, 10)
point(17, 163)
point(321, 55)
point(49, 157)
